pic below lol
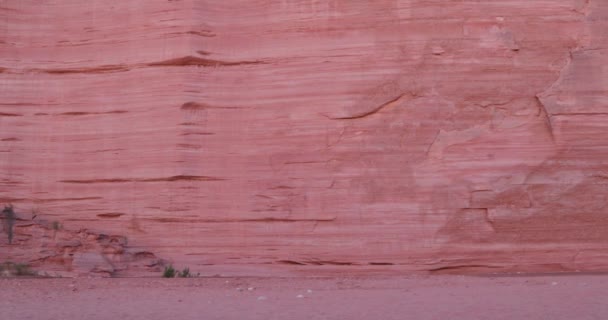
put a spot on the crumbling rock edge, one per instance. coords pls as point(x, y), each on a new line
point(53, 251)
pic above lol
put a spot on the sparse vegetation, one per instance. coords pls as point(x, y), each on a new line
point(10, 269)
point(22, 269)
point(169, 272)
point(185, 273)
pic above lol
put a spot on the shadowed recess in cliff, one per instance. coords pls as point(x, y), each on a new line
point(82, 113)
point(198, 106)
point(469, 268)
point(200, 33)
point(110, 215)
point(165, 179)
point(314, 262)
point(92, 70)
point(194, 106)
point(259, 220)
point(201, 62)
point(175, 62)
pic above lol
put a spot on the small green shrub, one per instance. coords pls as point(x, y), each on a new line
point(16, 269)
point(56, 225)
point(185, 273)
point(22, 269)
point(169, 272)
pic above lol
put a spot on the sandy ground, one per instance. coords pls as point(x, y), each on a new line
point(438, 297)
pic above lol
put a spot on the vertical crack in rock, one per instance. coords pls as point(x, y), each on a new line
point(543, 112)
point(549, 91)
point(430, 147)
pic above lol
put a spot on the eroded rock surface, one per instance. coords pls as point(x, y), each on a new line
point(50, 250)
point(353, 135)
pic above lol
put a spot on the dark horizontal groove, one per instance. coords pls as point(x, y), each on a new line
point(197, 134)
point(176, 62)
point(99, 69)
point(196, 106)
point(202, 33)
point(461, 267)
point(67, 199)
point(183, 178)
point(80, 113)
point(193, 106)
point(110, 215)
point(292, 262)
point(203, 62)
point(579, 114)
point(265, 220)
point(167, 179)
point(316, 263)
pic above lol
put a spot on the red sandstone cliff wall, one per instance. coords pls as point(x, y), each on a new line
point(251, 136)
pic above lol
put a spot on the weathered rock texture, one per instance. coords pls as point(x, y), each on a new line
point(57, 252)
point(256, 136)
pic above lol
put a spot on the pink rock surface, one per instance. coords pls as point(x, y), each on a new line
point(259, 137)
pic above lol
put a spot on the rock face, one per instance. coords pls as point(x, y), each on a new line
point(277, 136)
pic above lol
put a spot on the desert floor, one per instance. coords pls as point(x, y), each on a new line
point(433, 297)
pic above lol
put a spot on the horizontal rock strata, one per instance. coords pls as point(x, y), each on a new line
point(258, 136)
